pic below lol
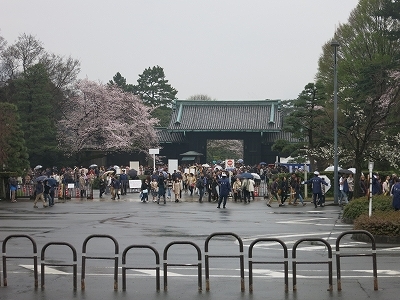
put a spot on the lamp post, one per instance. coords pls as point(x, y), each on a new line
point(335, 46)
point(370, 168)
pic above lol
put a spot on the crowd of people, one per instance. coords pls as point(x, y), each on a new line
point(205, 182)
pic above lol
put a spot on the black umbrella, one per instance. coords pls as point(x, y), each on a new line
point(132, 173)
point(245, 175)
point(345, 171)
point(51, 181)
point(41, 178)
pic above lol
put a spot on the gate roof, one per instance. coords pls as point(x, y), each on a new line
point(251, 116)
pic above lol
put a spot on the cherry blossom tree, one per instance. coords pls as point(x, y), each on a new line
point(104, 117)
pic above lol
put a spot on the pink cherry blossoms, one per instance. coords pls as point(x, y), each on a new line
point(103, 117)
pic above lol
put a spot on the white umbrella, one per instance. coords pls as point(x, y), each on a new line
point(256, 176)
point(38, 167)
point(206, 165)
point(328, 181)
point(107, 172)
point(331, 169)
point(353, 170)
point(218, 167)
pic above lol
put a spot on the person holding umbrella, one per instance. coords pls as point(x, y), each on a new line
point(316, 182)
point(39, 194)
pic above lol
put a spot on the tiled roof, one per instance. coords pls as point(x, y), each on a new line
point(282, 135)
point(259, 116)
point(165, 136)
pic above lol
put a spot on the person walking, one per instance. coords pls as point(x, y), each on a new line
point(237, 187)
point(161, 182)
point(251, 189)
point(296, 186)
point(124, 182)
point(46, 191)
point(284, 187)
point(12, 181)
point(176, 187)
point(273, 192)
point(170, 183)
point(343, 188)
point(102, 186)
point(224, 190)
point(395, 191)
point(316, 182)
point(154, 189)
point(145, 188)
point(200, 184)
point(82, 184)
point(39, 194)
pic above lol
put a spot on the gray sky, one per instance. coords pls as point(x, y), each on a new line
point(226, 49)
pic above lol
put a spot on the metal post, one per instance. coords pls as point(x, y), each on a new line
point(335, 46)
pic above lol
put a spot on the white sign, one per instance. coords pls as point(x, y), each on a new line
point(134, 165)
point(71, 185)
point(135, 184)
point(172, 165)
point(154, 151)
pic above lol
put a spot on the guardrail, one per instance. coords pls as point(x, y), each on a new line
point(198, 264)
point(295, 262)
point(285, 262)
point(339, 255)
point(74, 265)
point(156, 268)
point(115, 258)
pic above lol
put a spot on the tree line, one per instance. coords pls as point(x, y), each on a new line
point(368, 95)
point(50, 115)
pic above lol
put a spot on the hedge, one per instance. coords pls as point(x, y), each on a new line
point(384, 223)
point(360, 206)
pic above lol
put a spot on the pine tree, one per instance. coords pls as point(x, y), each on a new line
point(13, 152)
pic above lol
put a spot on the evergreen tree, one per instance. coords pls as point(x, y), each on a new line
point(13, 152)
point(154, 89)
point(37, 108)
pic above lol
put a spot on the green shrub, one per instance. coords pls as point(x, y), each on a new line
point(380, 223)
point(360, 206)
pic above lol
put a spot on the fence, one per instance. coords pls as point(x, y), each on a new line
point(197, 258)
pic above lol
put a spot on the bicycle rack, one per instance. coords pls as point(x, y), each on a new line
point(373, 254)
point(295, 262)
point(124, 267)
point(73, 265)
point(207, 257)
point(115, 258)
point(34, 257)
point(285, 262)
point(166, 264)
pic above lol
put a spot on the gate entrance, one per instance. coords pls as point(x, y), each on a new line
point(193, 123)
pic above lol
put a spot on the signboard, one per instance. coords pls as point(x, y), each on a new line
point(71, 185)
point(172, 165)
point(134, 165)
point(154, 151)
point(135, 184)
point(229, 163)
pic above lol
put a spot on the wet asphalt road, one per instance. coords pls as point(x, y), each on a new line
point(131, 222)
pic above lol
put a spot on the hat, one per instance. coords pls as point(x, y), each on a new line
point(316, 173)
point(223, 174)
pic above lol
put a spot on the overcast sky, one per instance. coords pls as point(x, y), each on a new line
point(226, 49)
